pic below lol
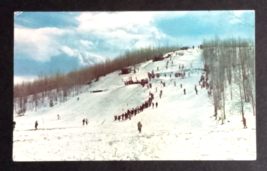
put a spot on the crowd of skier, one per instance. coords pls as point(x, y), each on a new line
point(134, 111)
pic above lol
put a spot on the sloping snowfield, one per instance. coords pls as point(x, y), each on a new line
point(182, 127)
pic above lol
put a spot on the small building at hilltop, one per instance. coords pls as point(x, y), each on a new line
point(158, 58)
point(126, 70)
point(184, 48)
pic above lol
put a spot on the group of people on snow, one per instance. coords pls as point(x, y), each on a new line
point(85, 121)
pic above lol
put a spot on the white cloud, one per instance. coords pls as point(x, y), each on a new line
point(17, 13)
point(67, 51)
point(20, 79)
point(239, 12)
point(124, 28)
point(92, 21)
point(87, 43)
point(38, 44)
point(85, 58)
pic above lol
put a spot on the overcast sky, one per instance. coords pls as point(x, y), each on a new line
point(46, 42)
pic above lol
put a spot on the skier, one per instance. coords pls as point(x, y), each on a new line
point(58, 117)
point(86, 121)
point(181, 85)
point(196, 88)
point(14, 124)
point(244, 122)
point(184, 92)
point(36, 125)
point(119, 118)
point(115, 117)
point(156, 104)
point(139, 126)
point(175, 83)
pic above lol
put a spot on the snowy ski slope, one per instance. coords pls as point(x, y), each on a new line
point(181, 128)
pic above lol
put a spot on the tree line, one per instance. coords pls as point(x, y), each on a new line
point(230, 63)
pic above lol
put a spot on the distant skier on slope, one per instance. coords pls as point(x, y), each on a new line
point(156, 104)
point(36, 125)
point(83, 121)
point(184, 91)
point(244, 122)
point(58, 117)
point(139, 126)
point(86, 121)
point(196, 88)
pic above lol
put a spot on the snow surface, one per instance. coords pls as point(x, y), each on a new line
point(181, 128)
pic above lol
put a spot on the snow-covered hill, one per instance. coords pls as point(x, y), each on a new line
point(182, 127)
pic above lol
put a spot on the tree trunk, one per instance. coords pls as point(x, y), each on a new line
point(231, 93)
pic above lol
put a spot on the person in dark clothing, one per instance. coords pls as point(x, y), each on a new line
point(184, 92)
point(119, 118)
point(156, 104)
point(83, 121)
point(196, 88)
point(139, 126)
point(115, 117)
point(14, 124)
point(36, 125)
point(244, 122)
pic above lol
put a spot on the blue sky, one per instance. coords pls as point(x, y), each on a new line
point(47, 42)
